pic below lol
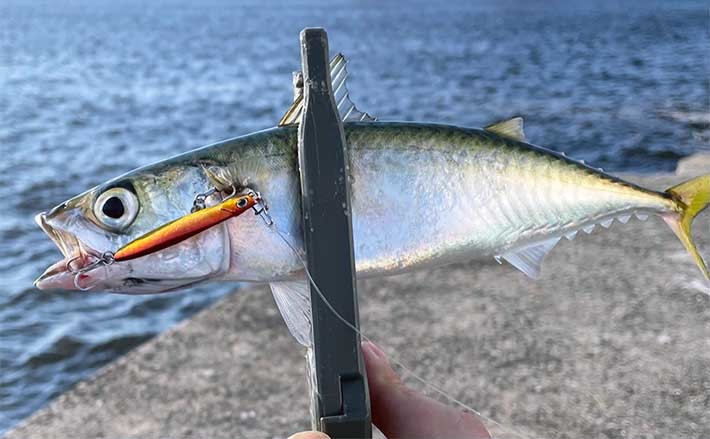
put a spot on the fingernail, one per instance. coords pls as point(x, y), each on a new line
point(374, 349)
point(309, 435)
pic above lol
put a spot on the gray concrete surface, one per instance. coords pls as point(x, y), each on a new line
point(613, 341)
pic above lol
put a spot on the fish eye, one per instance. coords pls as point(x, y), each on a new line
point(242, 202)
point(116, 208)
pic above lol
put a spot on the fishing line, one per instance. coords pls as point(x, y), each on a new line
point(394, 360)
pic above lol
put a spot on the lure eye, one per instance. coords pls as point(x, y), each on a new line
point(242, 202)
point(116, 208)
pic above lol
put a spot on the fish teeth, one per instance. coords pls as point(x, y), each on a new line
point(571, 235)
point(607, 223)
point(588, 229)
point(641, 216)
point(624, 218)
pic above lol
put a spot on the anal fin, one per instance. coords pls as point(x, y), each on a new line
point(529, 258)
point(294, 301)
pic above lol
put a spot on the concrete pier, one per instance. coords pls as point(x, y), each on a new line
point(612, 341)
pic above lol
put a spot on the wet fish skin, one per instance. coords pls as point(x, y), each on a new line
point(421, 195)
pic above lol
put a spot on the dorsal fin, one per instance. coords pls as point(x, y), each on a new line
point(346, 108)
point(511, 128)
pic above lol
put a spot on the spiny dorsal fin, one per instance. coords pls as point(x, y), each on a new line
point(511, 128)
point(294, 301)
point(346, 107)
point(529, 259)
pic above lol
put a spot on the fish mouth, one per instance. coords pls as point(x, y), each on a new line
point(60, 275)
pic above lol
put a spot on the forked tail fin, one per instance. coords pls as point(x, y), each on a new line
point(693, 196)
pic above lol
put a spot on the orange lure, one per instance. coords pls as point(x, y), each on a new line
point(183, 228)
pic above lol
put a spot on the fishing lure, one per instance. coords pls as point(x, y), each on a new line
point(198, 220)
point(185, 227)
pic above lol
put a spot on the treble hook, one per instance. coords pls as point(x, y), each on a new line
point(260, 208)
point(104, 259)
point(200, 200)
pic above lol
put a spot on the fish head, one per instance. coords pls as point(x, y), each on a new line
point(107, 217)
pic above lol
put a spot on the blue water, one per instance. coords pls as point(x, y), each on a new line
point(90, 89)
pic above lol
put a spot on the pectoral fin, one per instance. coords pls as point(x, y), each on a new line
point(294, 301)
point(220, 177)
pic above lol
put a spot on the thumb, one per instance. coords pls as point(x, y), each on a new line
point(400, 412)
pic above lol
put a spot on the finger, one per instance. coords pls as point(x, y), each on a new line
point(309, 435)
point(399, 412)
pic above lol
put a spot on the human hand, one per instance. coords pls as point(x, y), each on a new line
point(400, 412)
